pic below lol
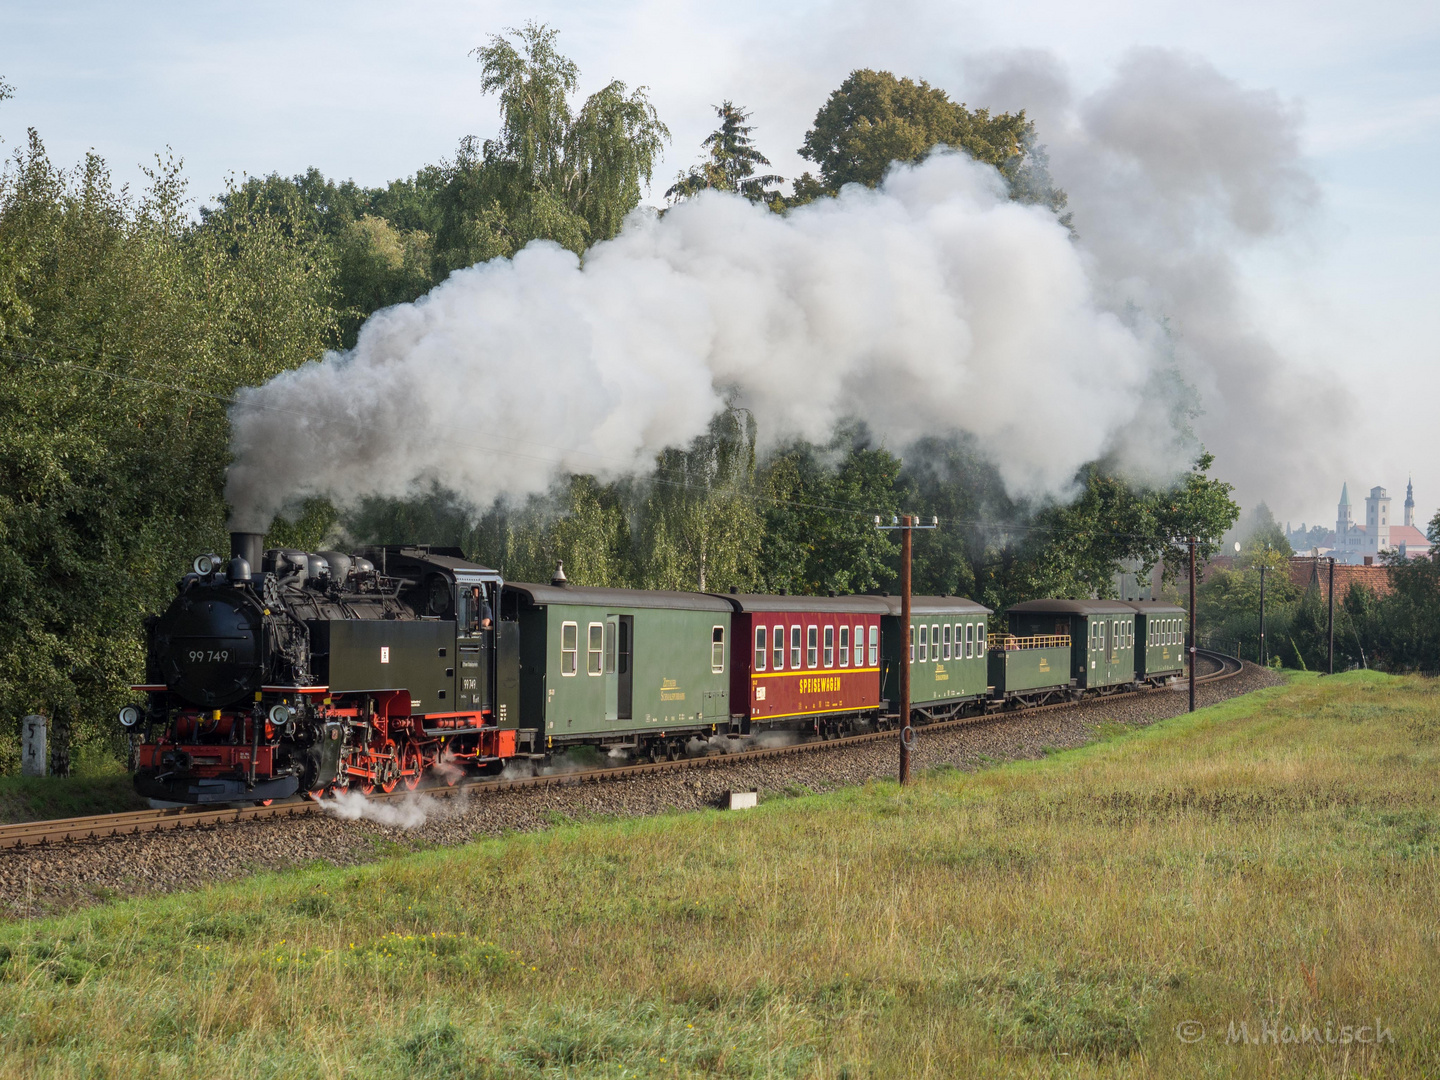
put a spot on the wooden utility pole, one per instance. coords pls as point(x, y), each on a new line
point(1262, 614)
point(1331, 617)
point(1192, 624)
point(906, 524)
point(907, 733)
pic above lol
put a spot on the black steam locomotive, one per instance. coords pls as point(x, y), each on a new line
point(277, 672)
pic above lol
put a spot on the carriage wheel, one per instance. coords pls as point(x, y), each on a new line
point(412, 761)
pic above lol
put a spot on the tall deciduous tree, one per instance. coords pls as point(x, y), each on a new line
point(554, 172)
point(702, 527)
point(874, 119)
point(123, 328)
point(730, 162)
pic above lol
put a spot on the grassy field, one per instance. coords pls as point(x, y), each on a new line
point(101, 787)
point(1266, 868)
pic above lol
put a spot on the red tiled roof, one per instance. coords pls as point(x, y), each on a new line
point(1408, 535)
point(1306, 571)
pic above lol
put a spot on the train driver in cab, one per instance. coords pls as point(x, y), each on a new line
point(481, 617)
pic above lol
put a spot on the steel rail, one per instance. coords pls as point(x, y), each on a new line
point(138, 822)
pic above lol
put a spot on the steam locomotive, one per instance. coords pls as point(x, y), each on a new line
point(279, 672)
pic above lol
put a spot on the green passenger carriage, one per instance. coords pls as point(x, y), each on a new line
point(1159, 640)
point(621, 668)
point(947, 653)
point(1101, 632)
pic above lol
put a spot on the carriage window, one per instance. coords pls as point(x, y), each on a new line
point(924, 644)
point(844, 646)
point(874, 646)
point(812, 650)
point(778, 644)
point(569, 641)
point(761, 648)
point(935, 643)
point(594, 645)
point(945, 645)
point(829, 646)
point(609, 648)
point(969, 641)
point(717, 649)
point(859, 646)
point(794, 646)
point(981, 641)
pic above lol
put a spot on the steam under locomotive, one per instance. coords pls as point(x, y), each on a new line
point(280, 672)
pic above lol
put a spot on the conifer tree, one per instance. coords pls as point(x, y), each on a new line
point(731, 163)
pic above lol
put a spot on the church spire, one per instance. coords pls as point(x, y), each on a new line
point(1410, 501)
point(1345, 494)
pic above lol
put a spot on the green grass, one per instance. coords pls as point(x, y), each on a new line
point(99, 787)
point(1269, 861)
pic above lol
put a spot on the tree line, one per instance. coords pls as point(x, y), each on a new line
point(1397, 629)
point(128, 320)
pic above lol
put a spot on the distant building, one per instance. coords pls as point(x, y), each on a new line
point(1308, 572)
point(1356, 544)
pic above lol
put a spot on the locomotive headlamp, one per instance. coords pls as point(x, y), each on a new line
point(205, 565)
point(279, 715)
point(129, 716)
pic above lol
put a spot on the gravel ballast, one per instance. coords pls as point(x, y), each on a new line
point(38, 881)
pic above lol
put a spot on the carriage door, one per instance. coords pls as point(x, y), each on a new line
point(625, 662)
point(612, 667)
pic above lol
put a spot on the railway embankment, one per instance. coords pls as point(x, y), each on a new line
point(1246, 891)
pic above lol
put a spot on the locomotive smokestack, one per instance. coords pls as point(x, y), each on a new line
point(249, 546)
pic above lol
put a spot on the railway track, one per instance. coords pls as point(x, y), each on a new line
point(136, 822)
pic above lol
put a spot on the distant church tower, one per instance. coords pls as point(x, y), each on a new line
point(1410, 502)
point(1343, 521)
point(1377, 521)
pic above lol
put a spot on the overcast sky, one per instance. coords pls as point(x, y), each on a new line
point(371, 91)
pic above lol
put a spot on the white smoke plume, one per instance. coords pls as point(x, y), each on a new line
point(1176, 173)
point(930, 306)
